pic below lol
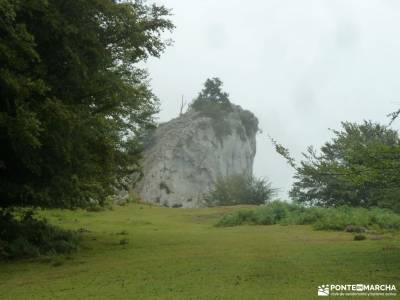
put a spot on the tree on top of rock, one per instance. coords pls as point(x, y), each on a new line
point(212, 91)
point(211, 95)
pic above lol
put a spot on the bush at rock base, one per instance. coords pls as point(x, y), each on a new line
point(240, 189)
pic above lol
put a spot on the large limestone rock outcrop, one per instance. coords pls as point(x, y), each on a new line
point(187, 155)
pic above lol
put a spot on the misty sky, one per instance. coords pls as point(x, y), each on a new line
point(300, 66)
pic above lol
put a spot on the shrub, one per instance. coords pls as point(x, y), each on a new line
point(240, 189)
point(341, 218)
point(359, 237)
point(272, 213)
point(211, 109)
point(237, 218)
point(25, 236)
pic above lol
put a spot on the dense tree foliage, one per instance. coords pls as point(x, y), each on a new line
point(71, 96)
point(358, 167)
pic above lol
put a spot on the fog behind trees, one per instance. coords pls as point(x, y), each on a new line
point(301, 67)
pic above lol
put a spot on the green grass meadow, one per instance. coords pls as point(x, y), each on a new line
point(147, 252)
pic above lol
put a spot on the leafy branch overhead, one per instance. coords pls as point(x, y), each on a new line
point(284, 152)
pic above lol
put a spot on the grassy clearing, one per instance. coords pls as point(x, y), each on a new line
point(145, 252)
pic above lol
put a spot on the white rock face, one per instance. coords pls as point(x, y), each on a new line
point(188, 154)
